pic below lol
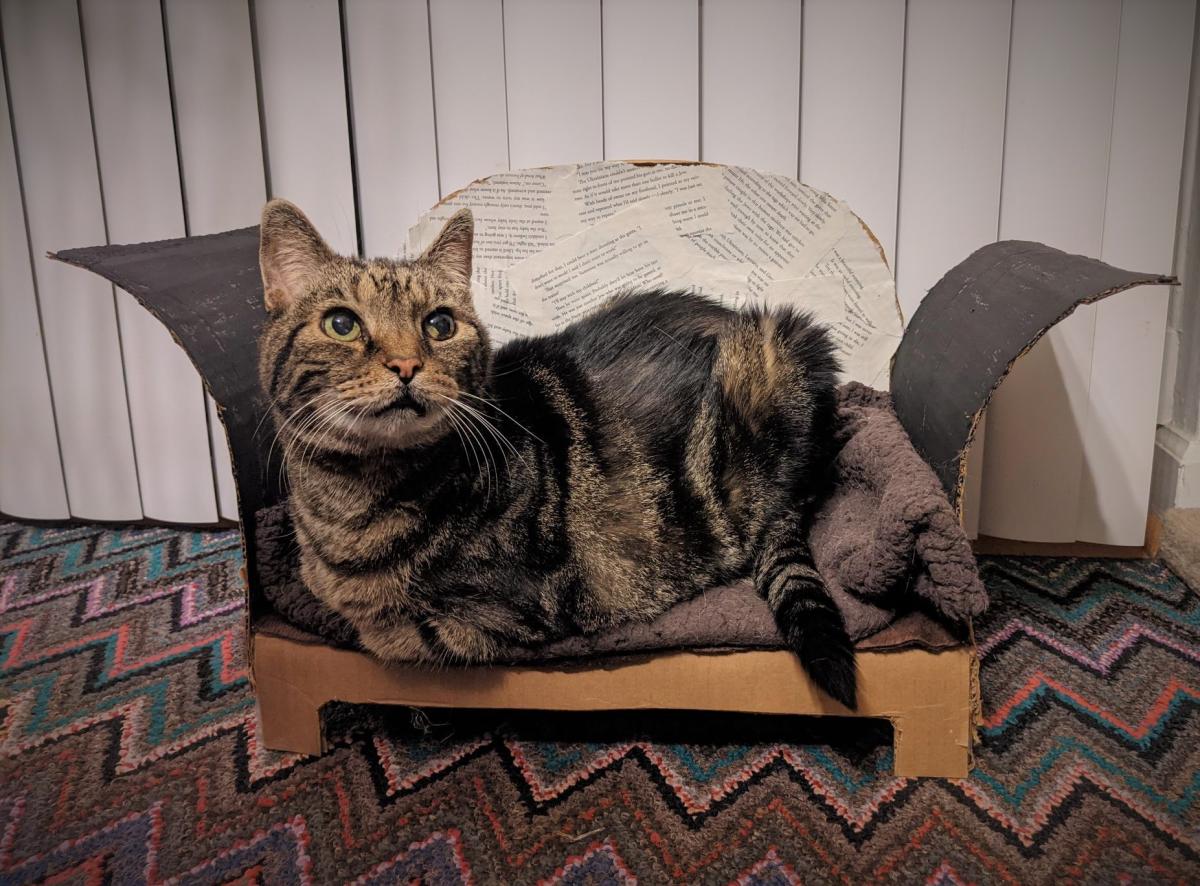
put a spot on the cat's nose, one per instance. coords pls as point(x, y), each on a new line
point(405, 367)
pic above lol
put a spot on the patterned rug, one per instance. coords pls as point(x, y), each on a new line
point(129, 752)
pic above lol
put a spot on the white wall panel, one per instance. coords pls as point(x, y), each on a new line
point(220, 149)
point(216, 106)
point(391, 96)
point(1153, 65)
point(305, 121)
point(31, 480)
point(139, 174)
point(552, 58)
point(1060, 104)
point(955, 82)
point(750, 84)
point(853, 66)
point(467, 42)
point(48, 90)
point(651, 80)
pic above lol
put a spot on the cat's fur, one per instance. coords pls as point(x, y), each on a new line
point(560, 485)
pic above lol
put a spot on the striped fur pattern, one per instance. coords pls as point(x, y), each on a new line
point(452, 502)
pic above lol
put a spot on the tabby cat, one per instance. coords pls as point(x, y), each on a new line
point(453, 502)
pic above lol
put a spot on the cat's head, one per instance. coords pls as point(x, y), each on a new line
point(372, 354)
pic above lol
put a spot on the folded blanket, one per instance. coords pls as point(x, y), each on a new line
point(886, 541)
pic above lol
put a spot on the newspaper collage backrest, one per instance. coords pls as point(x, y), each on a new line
point(551, 244)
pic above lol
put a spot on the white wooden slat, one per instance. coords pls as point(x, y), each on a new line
point(220, 149)
point(750, 84)
point(1154, 59)
point(853, 66)
point(955, 82)
point(227, 501)
point(552, 59)
point(216, 106)
point(1059, 120)
point(139, 174)
point(651, 79)
point(304, 113)
point(48, 91)
point(467, 44)
point(31, 479)
point(387, 49)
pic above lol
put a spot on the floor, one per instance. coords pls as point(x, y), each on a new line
point(129, 751)
point(1180, 546)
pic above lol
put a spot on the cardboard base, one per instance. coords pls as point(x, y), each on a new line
point(931, 698)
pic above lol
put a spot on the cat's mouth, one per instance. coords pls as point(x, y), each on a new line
point(404, 401)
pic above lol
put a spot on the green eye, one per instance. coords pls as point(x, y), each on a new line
point(439, 325)
point(341, 325)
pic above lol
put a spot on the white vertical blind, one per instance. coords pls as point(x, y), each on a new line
point(33, 486)
point(955, 83)
point(391, 98)
point(850, 107)
point(944, 124)
point(139, 174)
point(1140, 210)
point(305, 121)
point(750, 84)
point(48, 92)
point(651, 79)
point(552, 53)
point(469, 97)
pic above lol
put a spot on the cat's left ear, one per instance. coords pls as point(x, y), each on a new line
point(291, 254)
point(450, 253)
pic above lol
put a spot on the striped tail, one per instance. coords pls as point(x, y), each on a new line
point(806, 615)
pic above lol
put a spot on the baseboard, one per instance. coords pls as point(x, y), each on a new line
point(1009, 547)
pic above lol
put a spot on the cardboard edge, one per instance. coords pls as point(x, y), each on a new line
point(929, 697)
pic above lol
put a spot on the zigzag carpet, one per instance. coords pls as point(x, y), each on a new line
point(129, 752)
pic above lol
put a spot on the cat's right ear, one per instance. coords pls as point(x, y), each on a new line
point(291, 254)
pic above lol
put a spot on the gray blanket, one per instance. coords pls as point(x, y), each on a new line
point(885, 540)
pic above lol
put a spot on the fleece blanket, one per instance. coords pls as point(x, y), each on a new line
point(885, 540)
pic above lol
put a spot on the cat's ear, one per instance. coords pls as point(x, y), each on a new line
point(450, 253)
point(291, 254)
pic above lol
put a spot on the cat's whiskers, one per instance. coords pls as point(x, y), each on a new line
point(282, 426)
point(493, 405)
point(297, 439)
point(480, 427)
point(493, 468)
point(677, 342)
point(473, 453)
point(465, 419)
point(267, 413)
point(318, 433)
point(488, 425)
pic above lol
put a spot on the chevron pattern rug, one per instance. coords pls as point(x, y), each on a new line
point(129, 752)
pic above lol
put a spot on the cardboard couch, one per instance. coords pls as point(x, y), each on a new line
point(982, 316)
